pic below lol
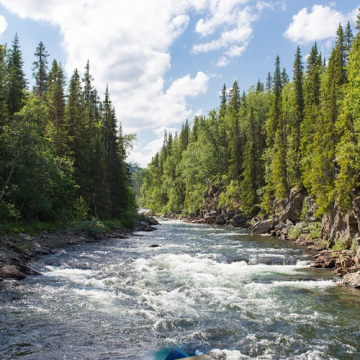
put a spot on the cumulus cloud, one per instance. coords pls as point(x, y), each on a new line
point(129, 48)
point(233, 20)
point(320, 24)
point(3, 24)
point(223, 61)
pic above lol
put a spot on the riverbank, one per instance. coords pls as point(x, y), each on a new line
point(17, 249)
point(344, 264)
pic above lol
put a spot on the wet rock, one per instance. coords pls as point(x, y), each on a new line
point(238, 220)
point(152, 221)
point(210, 217)
point(325, 259)
point(229, 215)
point(220, 220)
point(11, 272)
point(230, 261)
point(1, 279)
point(264, 226)
point(155, 246)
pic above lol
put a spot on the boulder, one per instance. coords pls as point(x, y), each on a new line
point(352, 279)
point(220, 220)
point(11, 272)
point(229, 215)
point(210, 217)
point(152, 221)
point(264, 226)
point(238, 220)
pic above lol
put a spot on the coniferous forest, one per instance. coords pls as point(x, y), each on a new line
point(62, 154)
point(299, 131)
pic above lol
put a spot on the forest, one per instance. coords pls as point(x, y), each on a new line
point(256, 146)
point(62, 153)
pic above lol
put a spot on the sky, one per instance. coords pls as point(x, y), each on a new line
point(166, 61)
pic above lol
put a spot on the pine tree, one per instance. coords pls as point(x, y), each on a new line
point(348, 149)
point(269, 81)
point(311, 107)
point(298, 110)
point(77, 129)
point(284, 78)
point(321, 176)
point(4, 114)
point(235, 145)
point(40, 70)
point(17, 84)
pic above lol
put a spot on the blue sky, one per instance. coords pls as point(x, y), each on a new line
point(166, 61)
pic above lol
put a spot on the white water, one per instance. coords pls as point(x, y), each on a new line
point(121, 299)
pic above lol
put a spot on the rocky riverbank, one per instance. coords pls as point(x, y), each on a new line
point(17, 250)
point(336, 237)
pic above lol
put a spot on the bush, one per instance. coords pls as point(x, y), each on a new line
point(93, 226)
point(294, 232)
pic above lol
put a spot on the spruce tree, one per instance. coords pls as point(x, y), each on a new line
point(77, 129)
point(40, 70)
point(298, 110)
point(17, 84)
point(235, 145)
point(268, 82)
point(321, 176)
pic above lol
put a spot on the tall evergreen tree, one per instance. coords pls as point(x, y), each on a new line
point(320, 179)
point(17, 83)
point(235, 145)
point(40, 70)
point(269, 80)
point(298, 110)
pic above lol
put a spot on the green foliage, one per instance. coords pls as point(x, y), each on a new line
point(81, 209)
point(56, 149)
point(295, 232)
point(301, 133)
point(310, 229)
point(93, 226)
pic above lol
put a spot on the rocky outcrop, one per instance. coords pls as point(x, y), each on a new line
point(264, 226)
point(339, 226)
point(293, 207)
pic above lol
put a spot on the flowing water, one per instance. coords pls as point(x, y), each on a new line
point(206, 288)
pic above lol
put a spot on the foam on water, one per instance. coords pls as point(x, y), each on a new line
point(202, 289)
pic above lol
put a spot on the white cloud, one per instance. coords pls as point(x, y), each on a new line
point(235, 50)
point(3, 24)
point(320, 24)
point(223, 61)
point(234, 21)
point(261, 5)
point(128, 46)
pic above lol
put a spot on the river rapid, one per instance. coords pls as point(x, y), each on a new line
point(206, 288)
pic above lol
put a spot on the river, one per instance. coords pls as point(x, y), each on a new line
point(206, 288)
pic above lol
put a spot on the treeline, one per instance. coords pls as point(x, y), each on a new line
point(62, 155)
point(282, 134)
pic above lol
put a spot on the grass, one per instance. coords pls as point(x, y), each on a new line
point(31, 228)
